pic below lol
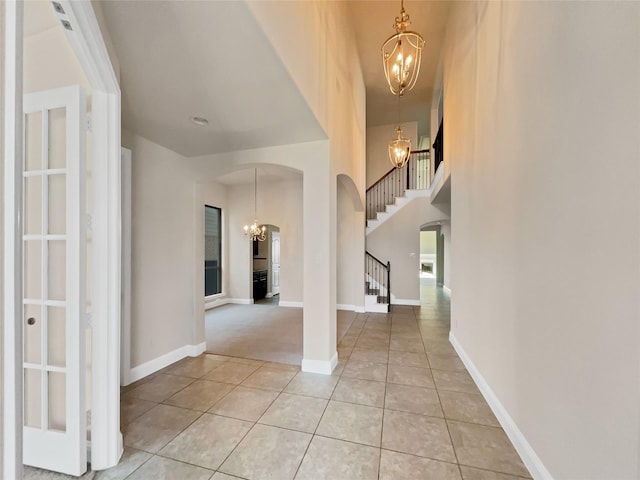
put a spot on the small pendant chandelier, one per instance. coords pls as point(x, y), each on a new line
point(253, 231)
point(399, 149)
point(401, 55)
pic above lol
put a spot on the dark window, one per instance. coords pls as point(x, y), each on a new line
point(212, 250)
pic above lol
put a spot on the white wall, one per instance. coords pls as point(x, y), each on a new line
point(163, 223)
point(555, 338)
point(378, 139)
point(397, 240)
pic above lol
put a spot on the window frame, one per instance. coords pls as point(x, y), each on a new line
point(219, 267)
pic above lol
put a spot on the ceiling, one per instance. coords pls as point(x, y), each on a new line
point(211, 59)
point(266, 173)
point(208, 59)
point(373, 23)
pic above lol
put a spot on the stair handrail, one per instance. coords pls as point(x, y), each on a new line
point(414, 175)
point(387, 268)
point(393, 169)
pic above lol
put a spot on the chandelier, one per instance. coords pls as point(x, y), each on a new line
point(401, 55)
point(399, 149)
point(253, 231)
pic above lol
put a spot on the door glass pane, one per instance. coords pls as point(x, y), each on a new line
point(32, 334)
point(33, 141)
point(32, 398)
point(33, 205)
point(56, 333)
point(57, 401)
point(57, 204)
point(57, 269)
point(33, 269)
point(57, 138)
point(212, 250)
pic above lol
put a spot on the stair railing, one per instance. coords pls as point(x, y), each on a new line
point(414, 175)
point(377, 279)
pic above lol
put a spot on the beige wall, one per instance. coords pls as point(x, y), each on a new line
point(378, 138)
point(323, 61)
point(163, 223)
point(350, 268)
point(542, 115)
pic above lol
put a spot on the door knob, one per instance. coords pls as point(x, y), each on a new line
point(31, 321)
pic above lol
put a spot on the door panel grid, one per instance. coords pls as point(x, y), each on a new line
point(54, 281)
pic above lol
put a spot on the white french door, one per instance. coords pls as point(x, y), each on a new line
point(54, 269)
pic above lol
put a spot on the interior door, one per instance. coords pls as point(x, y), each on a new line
point(275, 263)
point(54, 268)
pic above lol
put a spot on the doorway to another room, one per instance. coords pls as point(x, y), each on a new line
point(266, 268)
point(428, 257)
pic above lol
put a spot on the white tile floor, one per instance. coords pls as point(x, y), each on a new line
point(399, 406)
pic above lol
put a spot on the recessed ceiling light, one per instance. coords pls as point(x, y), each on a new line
point(200, 121)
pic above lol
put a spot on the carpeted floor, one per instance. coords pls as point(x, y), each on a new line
point(261, 332)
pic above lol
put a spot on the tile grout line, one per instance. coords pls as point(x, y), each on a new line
point(455, 453)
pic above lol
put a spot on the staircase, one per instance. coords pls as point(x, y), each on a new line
point(397, 188)
point(377, 283)
point(388, 195)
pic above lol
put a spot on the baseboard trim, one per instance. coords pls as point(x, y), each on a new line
point(241, 301)
point(403, 301)
point(217, 302)
point(165, 360)
point(290, 304)
point(446, 290)
point(522, 446)
point(350, 308)
point(323, 367)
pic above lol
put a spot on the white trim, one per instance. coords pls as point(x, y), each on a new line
point(404, 301)
point(325, 367)
point(215, 296)
point(446, 290)
point(215, 303)
point(240, 301)
point(218, 302)
point(291, 304)
point(88, 44)
point(525, 450)
point(350, 308)
point(165, 360)
point(12, 160)
point(125, 347)
point(342, 306)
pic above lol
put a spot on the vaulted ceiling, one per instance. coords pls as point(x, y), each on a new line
point(180, 59)
point(207, 59)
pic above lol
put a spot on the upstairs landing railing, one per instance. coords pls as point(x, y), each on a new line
point(413, 176)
